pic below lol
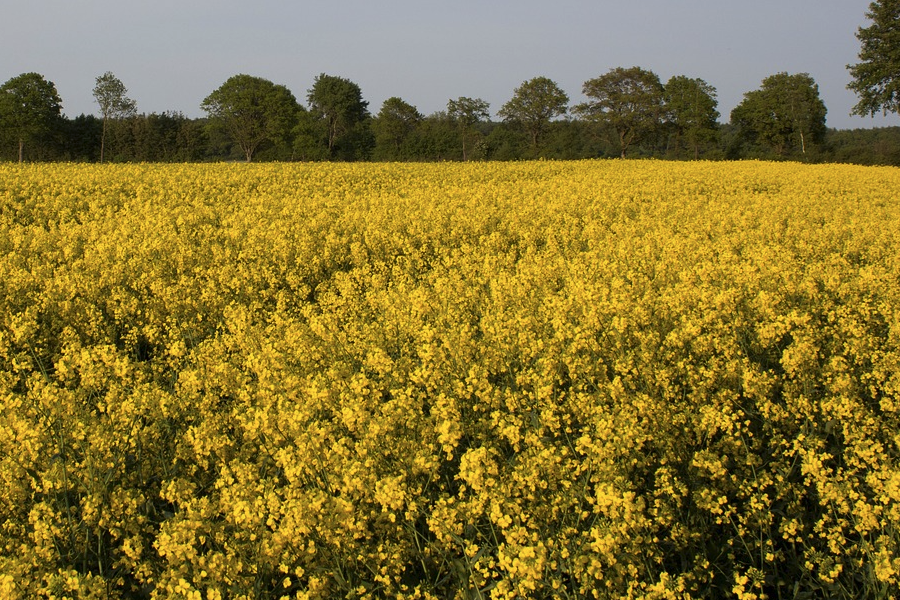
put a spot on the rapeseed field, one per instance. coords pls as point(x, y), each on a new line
point(600, 379)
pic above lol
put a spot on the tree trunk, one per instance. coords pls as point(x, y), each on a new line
point(21, 148)
point(332, 136)
point(102, 140)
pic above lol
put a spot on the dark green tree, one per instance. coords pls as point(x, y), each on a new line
point(81, 138)
point(30, 109)
point(310, 137)
point(629, 102)
point(876, 78)
point(534, 105)
point(508, 141)
point(691, 109)
point(435, 138)
point(393, 125)
point(866, 146)
point(466, 112)
point(159, 137)
point(339, 104)
point(783, 115)
point(112, 96)
point(252, 110)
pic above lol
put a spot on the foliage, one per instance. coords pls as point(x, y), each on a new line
point(630, 102)
point(876, 78)
point(601, 379)
point(111, 94)
point(395, 123)
point(534, 105)
point(436, 138)
point(252, 110)
point(160, 137)
point(785, 114)
point(309, 137)
point(30, 109)
point(81, 138)
point(466, 112)
point(877, 146)
point(685, 126)
point(339, 104)
point(691, 109)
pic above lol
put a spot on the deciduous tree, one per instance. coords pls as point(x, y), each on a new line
point(111, 94)
point(339, 103)
point(691, 108)
point(30, 108)
point(784, 114)
point(534, 105)
point(876, 78)
point(629, 101)
point(394, 123)
point(252, 110)
point(466, 112)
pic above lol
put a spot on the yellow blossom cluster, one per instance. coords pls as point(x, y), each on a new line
point(599, 379)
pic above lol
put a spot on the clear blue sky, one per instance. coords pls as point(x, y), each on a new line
point(172, 53)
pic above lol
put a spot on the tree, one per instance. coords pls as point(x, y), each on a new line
point(876, 78)
point(435, 138)
point(159, 137)
point(81, 138)
point(309, 137)
point(339, 103)
point(629, 101)
point(394, 123)
point(111, 94)
point(30, 108)
point(466, 112)
point(691, 107)
point(534, 105)
point(252, 110)
point(783, 114)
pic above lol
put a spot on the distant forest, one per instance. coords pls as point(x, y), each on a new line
point(629, 112)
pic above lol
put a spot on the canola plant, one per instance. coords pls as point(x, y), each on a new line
point(600, 379)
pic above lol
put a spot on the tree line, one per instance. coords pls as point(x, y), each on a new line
point(628, 112)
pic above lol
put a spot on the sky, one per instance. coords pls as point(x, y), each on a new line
point(171, 54)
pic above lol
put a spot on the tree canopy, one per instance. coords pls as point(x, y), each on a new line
point(466, 112)
point(784, 114)
point(112, 96)
point(876, 78)
point(338, 102)
point(534, 105)
point(393, 125)
point(252, 110)
point(629, 101)
point(29, 108)
point(628, 111)
point(691, 108)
